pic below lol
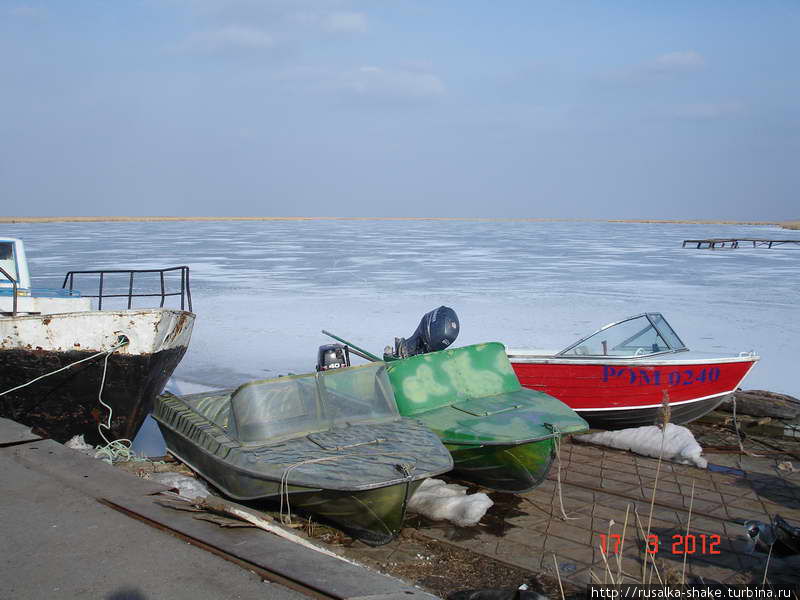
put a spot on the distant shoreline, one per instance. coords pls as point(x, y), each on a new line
point(784, 224)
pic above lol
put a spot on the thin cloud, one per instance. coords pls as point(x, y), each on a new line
point(229, 38)
point(704, 111)
point(677, 62)
point(27, 11)
point(370, 82)
point(345, 22)
point(670, 64)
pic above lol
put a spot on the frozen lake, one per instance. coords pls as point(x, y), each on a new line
point(262, 291)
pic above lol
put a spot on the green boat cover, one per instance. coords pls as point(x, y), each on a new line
point(471, 395)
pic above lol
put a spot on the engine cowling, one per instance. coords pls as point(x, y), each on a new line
point(437, 330)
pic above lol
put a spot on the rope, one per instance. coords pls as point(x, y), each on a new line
point(557, 438)
point(286, 518)
point(739, 437)
point(118, 450)
point(106, 352)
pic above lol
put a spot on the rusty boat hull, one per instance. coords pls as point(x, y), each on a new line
point(63, 404)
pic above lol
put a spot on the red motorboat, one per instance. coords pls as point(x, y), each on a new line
point(616, 377)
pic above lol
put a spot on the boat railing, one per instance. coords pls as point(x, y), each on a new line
point(13, 281)
point(184, 291)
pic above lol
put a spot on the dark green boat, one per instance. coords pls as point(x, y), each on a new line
point(501, 435)
point(331, 443)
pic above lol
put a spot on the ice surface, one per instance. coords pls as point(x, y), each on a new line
point(441, 501)
point(264, 290)
point(148, 441)
point(679, 444)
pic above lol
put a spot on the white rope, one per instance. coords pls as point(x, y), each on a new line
point(118, 449)
point(557, 436)
point(106, 352)
point(286, 518)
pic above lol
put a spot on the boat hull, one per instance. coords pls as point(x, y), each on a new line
point(618, 395)
point(374, 516)
point(500, 435)
point(65, 404)
point(504, 468)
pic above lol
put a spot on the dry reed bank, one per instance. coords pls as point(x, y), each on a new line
point(65, 219)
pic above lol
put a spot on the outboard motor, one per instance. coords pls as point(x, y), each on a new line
point(436, 331)
point(333, 356)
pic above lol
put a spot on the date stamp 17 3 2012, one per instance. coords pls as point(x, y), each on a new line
point(678, 544)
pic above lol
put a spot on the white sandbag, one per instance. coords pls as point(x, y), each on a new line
point(188, 487)
point(440, 501)
point(679, 443)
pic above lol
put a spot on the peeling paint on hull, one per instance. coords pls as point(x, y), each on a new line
point(66, 404)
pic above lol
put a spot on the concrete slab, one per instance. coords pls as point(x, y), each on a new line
point(287, 560)
point(78, 471)
point(12, 433)
point(60, 543)
point(65, 542)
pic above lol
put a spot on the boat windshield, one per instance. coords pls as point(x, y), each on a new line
point(301, 404)
point(7, 262)
point(642, 335)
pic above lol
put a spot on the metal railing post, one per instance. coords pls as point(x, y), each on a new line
point(13, 291)
point(188, 289)
point(130, 291)
point(185, 290)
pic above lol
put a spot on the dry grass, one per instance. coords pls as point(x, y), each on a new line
point(157, 219)
point(790, 224)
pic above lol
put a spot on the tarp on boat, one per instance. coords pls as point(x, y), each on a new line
point(472, 395)
point(334, 430)
point(296, 405)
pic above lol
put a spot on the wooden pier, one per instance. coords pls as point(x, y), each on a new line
point(717, 243)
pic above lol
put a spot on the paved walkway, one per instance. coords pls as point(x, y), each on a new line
point(74, 527)
point(598, 486)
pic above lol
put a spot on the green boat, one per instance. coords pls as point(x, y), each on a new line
point(330, 443)
point(501, 435)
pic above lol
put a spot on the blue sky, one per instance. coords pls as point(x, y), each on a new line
point(679, 109)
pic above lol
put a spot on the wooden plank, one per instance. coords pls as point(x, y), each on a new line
point(286, 561)
point(12, 433)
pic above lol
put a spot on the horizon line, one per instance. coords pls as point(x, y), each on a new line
point(92, 219)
